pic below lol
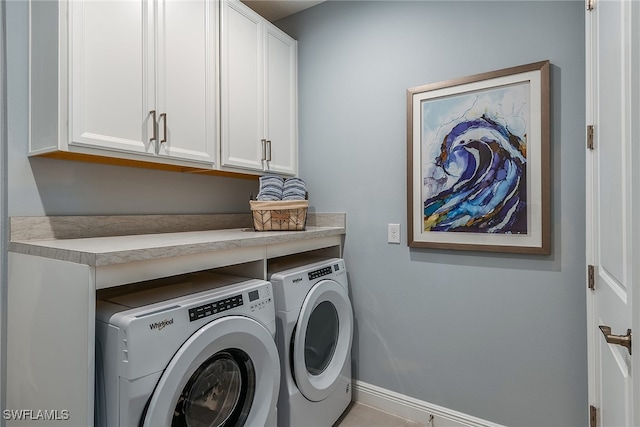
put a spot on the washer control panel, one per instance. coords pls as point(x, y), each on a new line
point(260, 298)
point(215, 307)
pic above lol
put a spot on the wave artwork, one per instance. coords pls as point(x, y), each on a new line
point(475, 161)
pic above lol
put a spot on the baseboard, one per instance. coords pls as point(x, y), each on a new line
point(414, 409)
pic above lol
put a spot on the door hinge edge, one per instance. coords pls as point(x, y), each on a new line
point(590, 5)
point(593, 416)
point(590, 137)
point(591, 277)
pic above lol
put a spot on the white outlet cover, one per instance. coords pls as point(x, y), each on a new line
point(393, 233)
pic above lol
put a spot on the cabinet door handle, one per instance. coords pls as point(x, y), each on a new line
point(268, 150)
point(623, 340)
point(163, 117)
point(155, 134)
point(264, 149)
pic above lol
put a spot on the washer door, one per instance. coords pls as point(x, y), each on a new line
point(322, 340)
point(226, 374)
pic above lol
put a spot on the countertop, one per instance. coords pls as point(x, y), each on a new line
point(101, 251)
point(111, 240)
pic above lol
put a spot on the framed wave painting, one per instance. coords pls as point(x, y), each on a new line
point(478, 162)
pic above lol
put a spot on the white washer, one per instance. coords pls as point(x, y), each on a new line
point(193, 350)
point(314, 332)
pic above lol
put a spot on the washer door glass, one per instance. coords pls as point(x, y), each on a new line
point(219, 393)
point(321, 337)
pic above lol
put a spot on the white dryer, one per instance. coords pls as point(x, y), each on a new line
point(314, 332)
point(195, 350)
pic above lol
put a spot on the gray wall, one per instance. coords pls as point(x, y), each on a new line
point(498, 336)
point(56, 187)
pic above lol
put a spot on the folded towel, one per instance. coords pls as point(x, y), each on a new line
point(294, 189)
point(271, 188)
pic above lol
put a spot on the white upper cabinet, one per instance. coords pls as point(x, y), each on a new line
point(143, 76)
point(258, 93)
point(187, 74)
point(160, 81)
point(281, 102)
point(242, 88)
point(111, 75)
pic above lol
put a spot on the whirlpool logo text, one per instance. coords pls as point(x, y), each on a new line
point(160, 325)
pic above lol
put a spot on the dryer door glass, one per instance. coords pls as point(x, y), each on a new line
point(321, 341)
point(321, 338)
point(219, 393)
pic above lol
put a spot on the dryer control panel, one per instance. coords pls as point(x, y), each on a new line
point(316, 274)
point(319, 273)
point(215, 307)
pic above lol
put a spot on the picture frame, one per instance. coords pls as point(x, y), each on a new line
point(478, 165)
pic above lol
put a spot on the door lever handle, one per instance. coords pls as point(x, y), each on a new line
point(623, 340)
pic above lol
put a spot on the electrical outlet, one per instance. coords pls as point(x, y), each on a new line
point(393, 233)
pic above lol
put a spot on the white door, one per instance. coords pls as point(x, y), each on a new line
point(613, 209)
point(111, 74)
point(281, 101)
point(187, 79)
point(242, 89)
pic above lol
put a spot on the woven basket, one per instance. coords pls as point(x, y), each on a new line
point(288, 215)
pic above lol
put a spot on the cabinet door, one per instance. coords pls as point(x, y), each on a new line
point(242, 92)
point(187, 79)
point(281, 101)
point(111, 65)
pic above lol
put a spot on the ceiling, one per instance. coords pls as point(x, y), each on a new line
point(277, 9)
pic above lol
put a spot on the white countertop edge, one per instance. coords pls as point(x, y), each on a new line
point(102, 251)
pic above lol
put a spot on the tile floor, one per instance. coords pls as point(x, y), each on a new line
point(359, 415)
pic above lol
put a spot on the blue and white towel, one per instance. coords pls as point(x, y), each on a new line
point(294, 189)
point(271, 188)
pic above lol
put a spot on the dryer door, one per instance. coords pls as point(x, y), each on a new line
point(226, 374)
point(322, 340)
